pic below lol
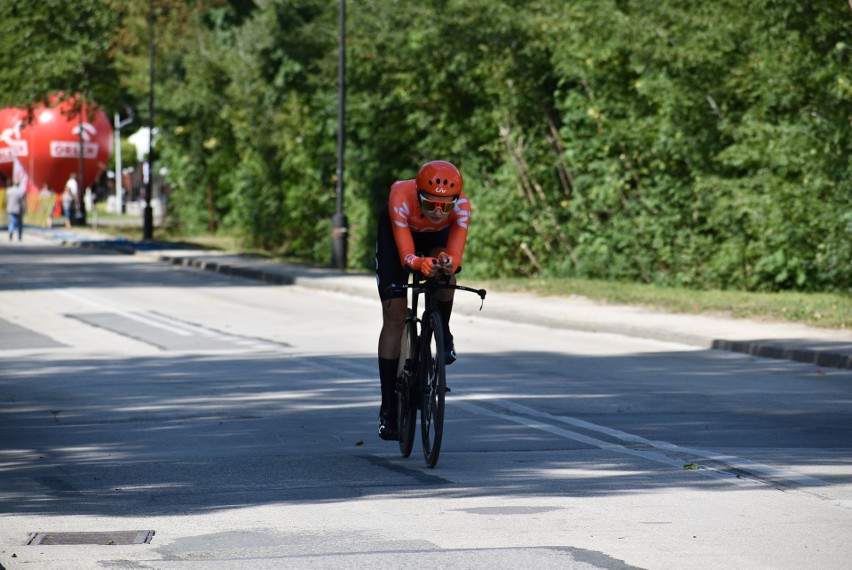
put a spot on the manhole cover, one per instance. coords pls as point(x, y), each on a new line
point(106, 538)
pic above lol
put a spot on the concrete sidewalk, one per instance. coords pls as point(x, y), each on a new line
point(771, 339)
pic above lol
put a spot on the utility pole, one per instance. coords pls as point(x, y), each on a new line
point(338, 221)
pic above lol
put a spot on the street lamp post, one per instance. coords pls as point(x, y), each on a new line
point(119, 190)
point(81, 185)
point(148, 221)
point(339, 230)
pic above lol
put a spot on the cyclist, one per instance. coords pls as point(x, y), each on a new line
point(424, 228)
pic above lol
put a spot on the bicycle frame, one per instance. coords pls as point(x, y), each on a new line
point(421, 379)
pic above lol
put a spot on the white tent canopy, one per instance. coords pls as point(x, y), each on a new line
point(140, 140)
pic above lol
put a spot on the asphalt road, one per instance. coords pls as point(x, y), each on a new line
point(227, 423)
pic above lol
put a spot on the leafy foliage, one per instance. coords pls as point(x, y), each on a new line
point(55, 46)
point(706, 145)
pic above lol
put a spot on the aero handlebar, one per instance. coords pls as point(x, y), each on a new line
point(433, 284)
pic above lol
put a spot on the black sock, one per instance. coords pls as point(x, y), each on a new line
point(446, 309)
point(387, 377)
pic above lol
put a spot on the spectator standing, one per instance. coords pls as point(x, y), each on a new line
point(73, 190)
point(15, 207)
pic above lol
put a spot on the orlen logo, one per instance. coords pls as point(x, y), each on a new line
point(71, 149)
point(12, 137)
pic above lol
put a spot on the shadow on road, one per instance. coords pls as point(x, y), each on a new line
point(52, 267)
point(194, 433)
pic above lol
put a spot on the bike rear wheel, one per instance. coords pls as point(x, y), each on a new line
point(433, 385)
point(406, 380)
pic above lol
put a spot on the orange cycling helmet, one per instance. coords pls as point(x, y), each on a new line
point(440, 178)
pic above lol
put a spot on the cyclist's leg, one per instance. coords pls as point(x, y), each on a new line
point(393, 322)
point(389, 271)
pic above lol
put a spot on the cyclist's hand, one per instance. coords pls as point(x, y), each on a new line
point(446, 263)
point(428, 265)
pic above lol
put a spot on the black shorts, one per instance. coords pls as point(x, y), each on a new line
point(389, 270)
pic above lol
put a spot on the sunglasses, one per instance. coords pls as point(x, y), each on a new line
point(434, 205)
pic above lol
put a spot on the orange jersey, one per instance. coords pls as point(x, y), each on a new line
point(405, 215)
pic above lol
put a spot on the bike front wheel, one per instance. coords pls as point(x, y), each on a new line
point(433, 386)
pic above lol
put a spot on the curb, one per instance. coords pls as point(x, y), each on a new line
point(804, 351)
point(780, 351)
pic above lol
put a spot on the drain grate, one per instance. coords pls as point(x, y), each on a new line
point(105, 538)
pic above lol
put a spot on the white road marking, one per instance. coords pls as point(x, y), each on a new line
point(749, 466)
point(176, 326)
point(514, 409)
point(100, 305)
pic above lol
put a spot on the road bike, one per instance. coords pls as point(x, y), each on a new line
point(421, 378)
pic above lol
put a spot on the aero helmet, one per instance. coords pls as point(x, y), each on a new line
point(440, 178)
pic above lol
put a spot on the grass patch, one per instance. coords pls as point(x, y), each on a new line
point(168, 233)
point(827, 310)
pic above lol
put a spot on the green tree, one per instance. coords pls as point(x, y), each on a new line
point(705, 145)
point(55, 46)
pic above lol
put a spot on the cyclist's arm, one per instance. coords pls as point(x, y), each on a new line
point(405, 245)
point(399, 210)
point(458, 231)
